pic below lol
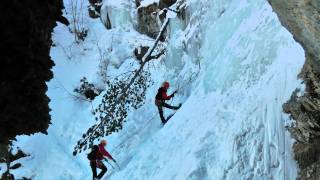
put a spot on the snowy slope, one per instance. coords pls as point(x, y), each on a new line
point(231, 124)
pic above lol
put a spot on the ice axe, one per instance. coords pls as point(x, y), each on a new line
point(116, 163)
point(174, 92)
point(109, 163)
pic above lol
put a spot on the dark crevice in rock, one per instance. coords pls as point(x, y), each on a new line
point(166, 3)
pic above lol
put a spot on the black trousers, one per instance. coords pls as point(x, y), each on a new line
point(160, 106)
point(94, 165)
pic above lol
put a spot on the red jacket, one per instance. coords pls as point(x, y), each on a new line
point(162, 94)
point(103, 152)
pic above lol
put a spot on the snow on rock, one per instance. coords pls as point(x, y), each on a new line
point(145, 3)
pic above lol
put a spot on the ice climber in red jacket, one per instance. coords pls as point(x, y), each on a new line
point(160, 99)
point(96, 156)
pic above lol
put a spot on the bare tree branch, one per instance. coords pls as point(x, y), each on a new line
point(147, 56)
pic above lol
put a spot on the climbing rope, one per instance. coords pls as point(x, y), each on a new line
point(136, 132)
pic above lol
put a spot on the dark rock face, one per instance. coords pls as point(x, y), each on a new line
point(166, 3)
point(95, 8)
point(26, 27)
point(302, 19)
point(148, 21)
point(152, 16)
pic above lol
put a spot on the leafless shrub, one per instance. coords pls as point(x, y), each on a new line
point(77, 20)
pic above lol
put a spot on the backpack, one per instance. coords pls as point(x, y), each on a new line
point(159, 94)
point(93, 154)
point(90, 156)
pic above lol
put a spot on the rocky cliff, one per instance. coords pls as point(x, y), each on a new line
point(302, 19)
point(151, 16)
point(26, 28)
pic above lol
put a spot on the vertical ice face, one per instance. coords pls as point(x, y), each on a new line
point(119, 13)
point(231, 125)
